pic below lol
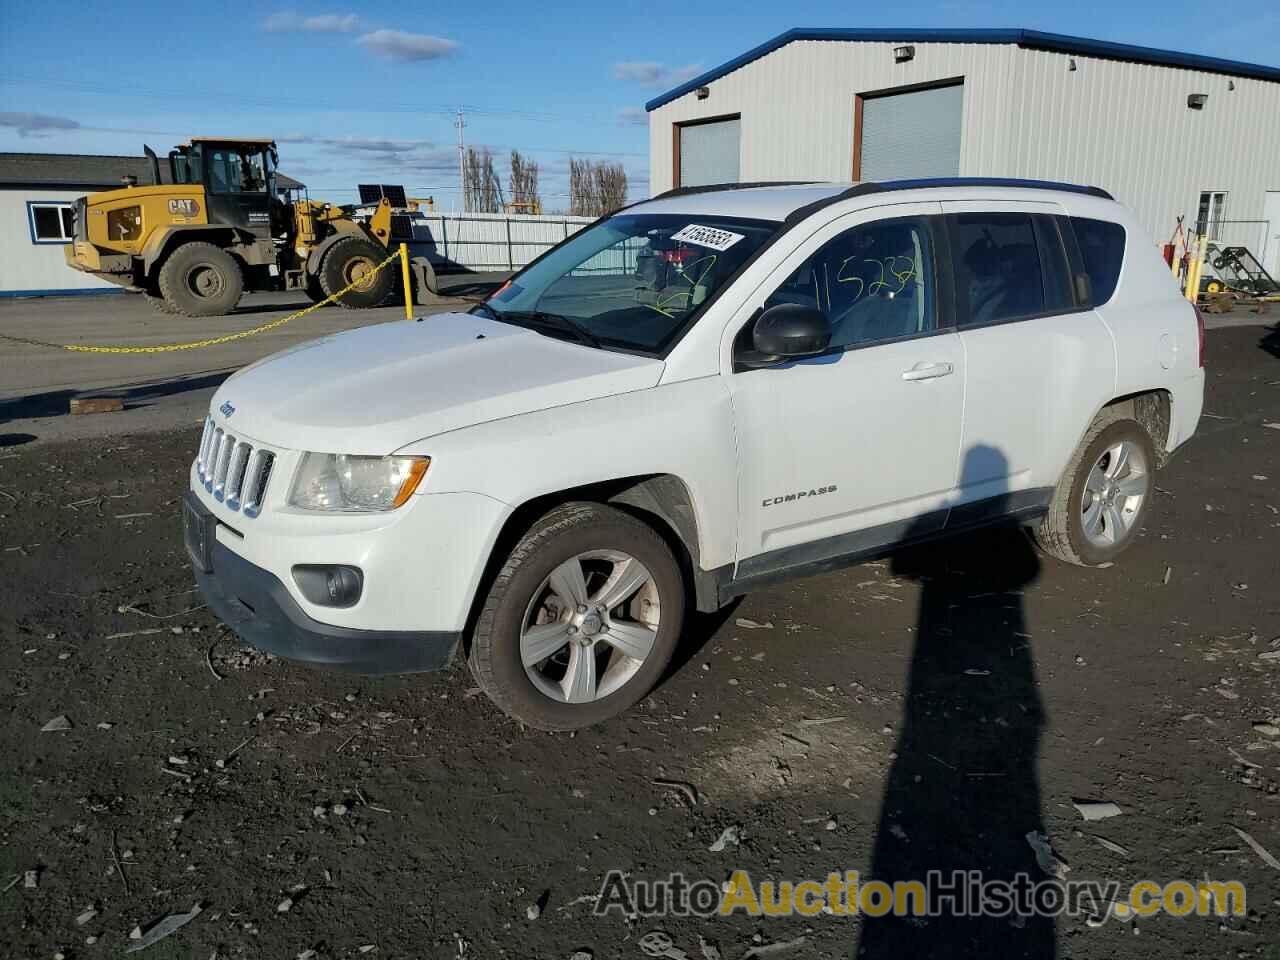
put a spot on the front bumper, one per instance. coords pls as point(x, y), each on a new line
point(255, 604)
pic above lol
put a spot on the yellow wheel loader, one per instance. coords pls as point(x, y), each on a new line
point(220, 227)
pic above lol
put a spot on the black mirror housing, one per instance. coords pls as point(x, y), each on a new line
point(790, 330)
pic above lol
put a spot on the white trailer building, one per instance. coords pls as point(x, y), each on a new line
point(1168, 134)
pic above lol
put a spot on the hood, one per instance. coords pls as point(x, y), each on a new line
point(375, 389)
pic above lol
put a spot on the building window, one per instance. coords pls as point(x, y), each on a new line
point(1211, 214)
point(51, 222)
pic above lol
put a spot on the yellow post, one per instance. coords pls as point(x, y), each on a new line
point(408, 287)
point(1194, 269)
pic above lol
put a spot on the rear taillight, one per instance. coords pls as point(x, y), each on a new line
point(1200, 331)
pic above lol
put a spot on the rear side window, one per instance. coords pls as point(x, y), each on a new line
point(1102, 250)
point(1008, 266)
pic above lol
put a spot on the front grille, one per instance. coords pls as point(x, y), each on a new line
point(233, 470)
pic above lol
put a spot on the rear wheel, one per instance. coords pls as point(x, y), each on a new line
point(1104, 495)
point(581, 620)
point(201, 280)
point(355, 261)
point(159, 304)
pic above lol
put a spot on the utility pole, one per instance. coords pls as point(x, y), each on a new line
point(462, 162)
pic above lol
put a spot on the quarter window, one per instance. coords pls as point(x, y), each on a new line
point(51, 222)
point(1009, 266)
point(874, 282)
point(1102, 250)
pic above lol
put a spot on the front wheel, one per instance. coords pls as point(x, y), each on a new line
point(581, 620)
point(1104, 495)
point(355, 261)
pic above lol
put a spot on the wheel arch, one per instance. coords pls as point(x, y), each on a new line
point(163, 242)
point(663, 501)
point(1153, 408)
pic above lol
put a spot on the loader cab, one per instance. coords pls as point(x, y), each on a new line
point(239, 178)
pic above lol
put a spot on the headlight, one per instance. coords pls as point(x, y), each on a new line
point(344, 483)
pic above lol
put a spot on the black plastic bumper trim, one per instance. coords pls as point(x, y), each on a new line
point(258, 607)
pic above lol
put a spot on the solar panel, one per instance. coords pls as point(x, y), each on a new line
point(402, 226)
point(369, 193)
point(395, 193)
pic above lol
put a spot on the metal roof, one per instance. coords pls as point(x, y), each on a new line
point(1029, 39)
point(85, 171)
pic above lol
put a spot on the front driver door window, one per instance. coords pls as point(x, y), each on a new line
point(858, 447)
point(874, 282)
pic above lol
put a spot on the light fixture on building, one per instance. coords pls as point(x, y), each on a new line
point(1196, 101)
point(903, 54)
point(1071, 66)
point(702, 93)
point(1231, 84)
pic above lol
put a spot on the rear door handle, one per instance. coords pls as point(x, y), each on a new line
point(928, 371)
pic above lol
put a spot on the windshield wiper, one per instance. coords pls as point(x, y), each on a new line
point(483, 306)
point(555, 322)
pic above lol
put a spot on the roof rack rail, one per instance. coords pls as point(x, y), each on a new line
point(992, 182)
point(884, 186)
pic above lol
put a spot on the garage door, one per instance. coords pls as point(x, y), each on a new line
point(709, 152)
point(916, 134)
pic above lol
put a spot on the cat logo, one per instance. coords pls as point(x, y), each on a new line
point(184, 207)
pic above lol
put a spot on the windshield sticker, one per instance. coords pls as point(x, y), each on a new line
point(712, 237)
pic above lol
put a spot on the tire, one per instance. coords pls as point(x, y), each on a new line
point(521, 597)
point(313, 289)
point(159, 304)
point(201, 280)
point(343, 262)
point(1073, 530)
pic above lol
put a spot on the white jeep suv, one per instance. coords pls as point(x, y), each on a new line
point(706, 391)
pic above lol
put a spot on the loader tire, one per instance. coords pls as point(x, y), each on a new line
point(313, 289)
point(201, 280)
point(159, 304)
point(350, 260)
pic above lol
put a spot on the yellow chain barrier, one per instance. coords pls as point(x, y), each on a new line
point(215, 341)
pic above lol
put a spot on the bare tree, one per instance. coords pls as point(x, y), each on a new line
point(524, 185)
point(482, 190)
point(596, 187)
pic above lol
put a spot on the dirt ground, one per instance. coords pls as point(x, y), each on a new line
point(925, 711)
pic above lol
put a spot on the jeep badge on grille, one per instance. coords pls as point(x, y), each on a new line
point(227, 409)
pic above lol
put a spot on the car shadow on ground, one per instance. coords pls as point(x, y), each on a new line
point(1271, 342)
point(55, 403)
point(963, 794)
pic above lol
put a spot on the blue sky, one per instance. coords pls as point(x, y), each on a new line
point(361, 92)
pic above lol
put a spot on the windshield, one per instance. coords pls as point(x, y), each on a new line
point(633, 281)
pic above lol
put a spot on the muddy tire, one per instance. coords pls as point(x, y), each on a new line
point(581, 620)
point(349, 260)
point(313, 290)
point(201, 280)
point(1104, 495)
point(159, 304)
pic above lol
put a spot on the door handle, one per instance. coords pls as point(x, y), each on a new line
point(928, 371)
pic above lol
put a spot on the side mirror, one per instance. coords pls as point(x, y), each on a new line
point(788, 331)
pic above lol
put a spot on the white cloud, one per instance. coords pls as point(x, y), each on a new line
point(406, 47)
point(36, 124)
point(633, 117)
point(650, 73)
point(291, 22)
